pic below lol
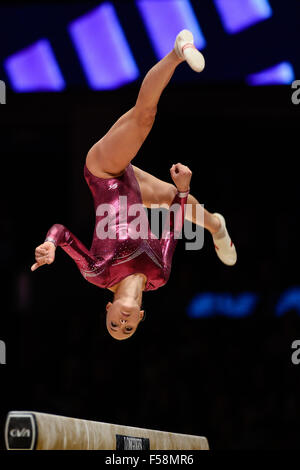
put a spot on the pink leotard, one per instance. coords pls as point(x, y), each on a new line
point(112, 259)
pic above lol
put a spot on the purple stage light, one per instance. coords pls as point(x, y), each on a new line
point(34, 69)
point(103, 49)
point(280, 74)
point(164, 19)
point(237, 15)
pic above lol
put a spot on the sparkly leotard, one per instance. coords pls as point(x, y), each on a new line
point(121, 253)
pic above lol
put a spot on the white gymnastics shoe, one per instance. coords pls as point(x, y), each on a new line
point(185, 49)
point(225, 249)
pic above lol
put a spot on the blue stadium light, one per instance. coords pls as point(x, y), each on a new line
point(102, 48)
point(208, 304)
point(237, 15)
point(34, 69)
point(164, 19)
point(238, 306)
point(280, 74)
point(289, 300)
point(201, 306)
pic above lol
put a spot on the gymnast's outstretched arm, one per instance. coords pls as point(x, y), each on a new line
point(181, 176)
point(59, 235)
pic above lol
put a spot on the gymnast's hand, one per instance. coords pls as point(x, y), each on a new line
point(44, 254)
point(181, 175)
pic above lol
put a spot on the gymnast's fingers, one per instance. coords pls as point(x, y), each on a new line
point(176, 167)
point(34, 266)
point(41, 248)
point(173, 172)
point(40, 254)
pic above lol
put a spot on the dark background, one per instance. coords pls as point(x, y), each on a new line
point(231, 380)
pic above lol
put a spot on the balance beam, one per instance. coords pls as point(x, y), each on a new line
point(29, 430)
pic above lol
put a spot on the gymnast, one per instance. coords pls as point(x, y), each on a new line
point(125, 264)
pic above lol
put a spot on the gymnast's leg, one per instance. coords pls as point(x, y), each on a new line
point(197, 214)
point(111, 154)
point(119, 146)
point(216, 225)
point(156, 192)
point(159, 193)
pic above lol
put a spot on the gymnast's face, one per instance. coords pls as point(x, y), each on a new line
point(122, 318)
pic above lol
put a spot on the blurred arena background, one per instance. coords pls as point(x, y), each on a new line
point(214, 356)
